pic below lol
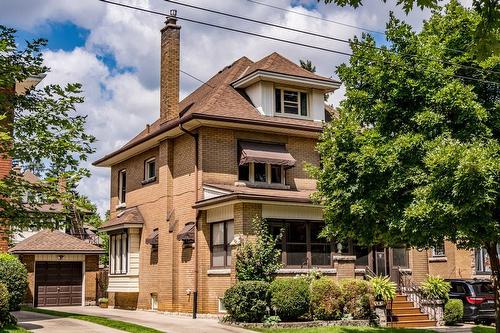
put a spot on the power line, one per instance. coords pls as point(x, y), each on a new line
point(331, 21)
point(197, 79)
point(273, 38)
point(315, 17)
point(323, 36)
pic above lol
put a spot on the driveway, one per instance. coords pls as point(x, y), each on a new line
point(42, 323)
point(159, 321)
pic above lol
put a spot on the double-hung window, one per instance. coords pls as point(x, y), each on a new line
point(122, 186)
point(291, 102)
point(222, 234)
point(438, 250)
point(150, 169)
point(118, 253)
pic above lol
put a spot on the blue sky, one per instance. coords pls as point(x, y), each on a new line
point(114, 53)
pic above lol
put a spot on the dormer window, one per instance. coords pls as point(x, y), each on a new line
point(291, 102)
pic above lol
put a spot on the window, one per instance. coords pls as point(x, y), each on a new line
point(400, 257)
point(362, 253)
point(291, 102)
point(301, 245)
point(122, 186)
point(150, 169)
point(482, 261)
point(260, 172)
point(276, 174)
point(222, 234)
point(438, 250)
point(118, 253)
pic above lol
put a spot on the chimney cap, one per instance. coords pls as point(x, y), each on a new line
point(171, 18)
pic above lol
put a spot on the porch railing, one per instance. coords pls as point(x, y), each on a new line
point(414, 293)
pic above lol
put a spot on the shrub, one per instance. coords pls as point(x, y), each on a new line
point(326, 299)
point(453, 311)
point(383, 288)
point(435, 288)
point(5, 317)
point(358, 298)
point(247, 301)
point(259, 259)
point(289, 297)
point(15, 277)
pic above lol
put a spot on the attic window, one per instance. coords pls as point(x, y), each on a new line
point(290, 102)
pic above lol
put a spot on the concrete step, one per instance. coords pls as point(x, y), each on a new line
point(413, 323)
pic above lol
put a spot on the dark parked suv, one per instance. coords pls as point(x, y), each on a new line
point(478, 297)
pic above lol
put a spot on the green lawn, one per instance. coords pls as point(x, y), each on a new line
point(13, 329)
point(483, 329)
point(120, 325)
point(343, 329)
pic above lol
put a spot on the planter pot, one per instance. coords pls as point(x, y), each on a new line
point(379, 303)
point(103, 305)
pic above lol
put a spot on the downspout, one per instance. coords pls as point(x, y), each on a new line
point(196, 145)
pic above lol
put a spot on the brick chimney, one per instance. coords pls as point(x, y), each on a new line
point(169, 69)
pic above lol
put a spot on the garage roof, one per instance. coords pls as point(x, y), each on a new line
point(54, 242)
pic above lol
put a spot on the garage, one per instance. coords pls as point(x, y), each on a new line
point(58, 283)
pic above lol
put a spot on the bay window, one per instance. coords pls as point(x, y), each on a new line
point(221, 235)
point(118, 253)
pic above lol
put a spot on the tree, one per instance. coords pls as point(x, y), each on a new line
point(415, 156)
point(40, 131)
point(308, 65)
point(486, 36)
point(258, 259)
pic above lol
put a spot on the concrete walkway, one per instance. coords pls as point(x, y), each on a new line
point(42, 323)
point(159, 321)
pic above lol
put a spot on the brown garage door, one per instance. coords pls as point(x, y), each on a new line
point(58, 283)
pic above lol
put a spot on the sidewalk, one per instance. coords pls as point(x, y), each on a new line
point(159, 321)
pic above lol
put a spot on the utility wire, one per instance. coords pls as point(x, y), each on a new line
point(331, 21)
point(324, 36)
point(274, 38)
point(315, 17)
point(197, 79)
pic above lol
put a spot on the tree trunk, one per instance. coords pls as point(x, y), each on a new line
point(491, 248)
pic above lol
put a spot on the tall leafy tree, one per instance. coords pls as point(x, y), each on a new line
point(415, 156)
point(41, 132)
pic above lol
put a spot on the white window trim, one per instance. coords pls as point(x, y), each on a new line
point(220, 306)
point(438, 255)
point(291, 115)
point(120, 185)
point(123, 257)
point(146, 169)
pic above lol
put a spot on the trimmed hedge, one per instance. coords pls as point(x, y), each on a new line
point(247, 301)
point(15, 277)
point(6, 318)
point(327, 301)
point(359, 298)
point(290, 298)
point(453, 311)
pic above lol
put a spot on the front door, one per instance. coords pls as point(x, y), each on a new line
point(380, 262)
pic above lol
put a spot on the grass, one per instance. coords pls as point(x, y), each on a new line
point(483, 329)
point(343, 329)
point(13, 329)
point(117, 324)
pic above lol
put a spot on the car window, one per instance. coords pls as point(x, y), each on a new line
point(457, 288)
point(483, 288)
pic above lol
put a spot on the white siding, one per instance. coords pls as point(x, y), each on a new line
point(133, 252)
point(292, 212)
point(55, 257)
point(220, 214)
point(123, 283)
point(318, 105)
point(130, 281)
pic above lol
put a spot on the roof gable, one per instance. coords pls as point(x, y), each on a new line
point(55, 241)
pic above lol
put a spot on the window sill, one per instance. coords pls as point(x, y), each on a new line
point(219, 271)
point(438, 259)
point(307, 270)
point(276, 186)
point(148, 181)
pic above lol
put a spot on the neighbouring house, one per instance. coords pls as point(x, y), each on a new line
point(190, 183)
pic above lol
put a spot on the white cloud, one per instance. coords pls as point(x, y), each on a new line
point(119, 103)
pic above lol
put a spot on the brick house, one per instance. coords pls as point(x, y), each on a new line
point(192, 181)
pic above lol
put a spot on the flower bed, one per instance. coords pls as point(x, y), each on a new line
point(302, 324)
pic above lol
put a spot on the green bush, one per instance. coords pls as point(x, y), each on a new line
point(290, 298)
point(383, 288)
point(453, 311)
point(358, 298)
point(5, 317)
point(327, 300)
point(435, 288)
point(247, 301)
point(15, 277)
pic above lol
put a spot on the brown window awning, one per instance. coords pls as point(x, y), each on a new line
point(153, 238)
point(257, 152)
point(187, 233)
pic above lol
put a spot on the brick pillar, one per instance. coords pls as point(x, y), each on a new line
point(345, 266)
point(169, 71)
